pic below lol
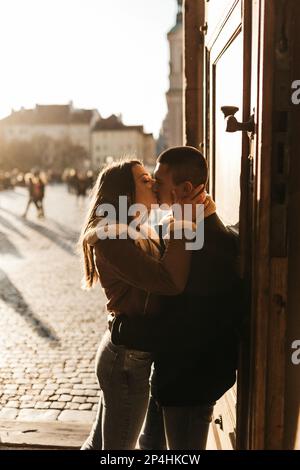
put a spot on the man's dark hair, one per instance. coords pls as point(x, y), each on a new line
point(186, 164)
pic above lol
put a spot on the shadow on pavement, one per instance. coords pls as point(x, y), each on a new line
point(13, 297)
point(67, 232)
point(12, 193)
point(7, 247)
point(7, 224)
point(45, 231)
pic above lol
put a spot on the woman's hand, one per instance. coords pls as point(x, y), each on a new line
point(196, 196)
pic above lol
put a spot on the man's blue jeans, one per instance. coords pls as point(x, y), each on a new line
point(175, 427)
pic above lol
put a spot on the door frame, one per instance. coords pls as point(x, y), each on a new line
point(270, 260)
point(260, 404)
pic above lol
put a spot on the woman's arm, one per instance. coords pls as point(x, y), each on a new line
point(167, 276)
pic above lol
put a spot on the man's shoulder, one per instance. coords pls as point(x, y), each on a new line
point(215, 228)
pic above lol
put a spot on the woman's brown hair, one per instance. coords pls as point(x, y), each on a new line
point(113, 181)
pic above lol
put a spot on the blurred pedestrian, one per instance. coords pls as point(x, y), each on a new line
point(72, 179)
point(90, 179)
point(36, 189)
point(81, 188)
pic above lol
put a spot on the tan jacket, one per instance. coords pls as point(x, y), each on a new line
point(128, 270)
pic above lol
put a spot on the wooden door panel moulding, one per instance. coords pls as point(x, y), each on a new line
point(261, 270)
point(193, 19)
point(275, 402)
point(213, 35)
point(270, 273)
point(229, 31)
point(246, 221)
point(264, 202)
point(229, 43)
point(292, 385)
point(278, 233)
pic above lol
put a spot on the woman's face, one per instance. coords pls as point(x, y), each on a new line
point(143, 187)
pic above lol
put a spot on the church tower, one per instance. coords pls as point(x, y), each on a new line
point(173, 123)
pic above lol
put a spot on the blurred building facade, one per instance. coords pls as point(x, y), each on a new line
point(112, 139)
point(101, 139)
point(172, 128)
point(58, 122)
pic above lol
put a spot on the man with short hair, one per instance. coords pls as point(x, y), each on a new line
point(194, 339)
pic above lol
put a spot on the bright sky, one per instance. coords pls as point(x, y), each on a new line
point(107, 54)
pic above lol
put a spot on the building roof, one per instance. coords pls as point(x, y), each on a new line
point(49, 114)
point(114, 123)
point(82, 116)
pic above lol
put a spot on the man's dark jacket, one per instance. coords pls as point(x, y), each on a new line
point(195, 338)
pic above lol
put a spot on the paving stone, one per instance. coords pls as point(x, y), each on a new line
point(54, 398)
point(86, 406)
point(75, 380)
point(92, 399)
point(79, 393)
point(11, 387)
point(42, 398)
point(37, 386)
point(51, 387)
point(23, 381)
point(27, 405)
point(27, 398)
point(13, 404)
point(85, 386)
point(43, 404)
point(63, 391)
point(38, 415)
point(65, 398)
point(79, 399)
point(57, 405)
point(77, 415)
point(67, 386)
point(8, 413)
point(72, 406)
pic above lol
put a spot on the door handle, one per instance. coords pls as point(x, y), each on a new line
point(219, 421)
point(233, 125)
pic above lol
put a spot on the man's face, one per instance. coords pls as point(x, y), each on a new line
point(164, 184)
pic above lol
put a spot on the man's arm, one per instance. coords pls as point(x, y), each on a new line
point(193, 331)
point(155, 334)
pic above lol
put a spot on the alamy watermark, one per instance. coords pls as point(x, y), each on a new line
point(296, 94)
point(296, 354)
point(134, 221)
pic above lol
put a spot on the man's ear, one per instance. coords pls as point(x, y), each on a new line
point(187, 188)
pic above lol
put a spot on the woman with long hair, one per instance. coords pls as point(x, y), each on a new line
point(128, 271)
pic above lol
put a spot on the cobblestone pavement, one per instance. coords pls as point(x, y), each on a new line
point(49, 327)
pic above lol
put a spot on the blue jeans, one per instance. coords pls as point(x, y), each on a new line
point(123, 376)
point(176, 427)
point(153, 433)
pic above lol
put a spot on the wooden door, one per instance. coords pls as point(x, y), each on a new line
point(248, 47)
point(230, 156)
